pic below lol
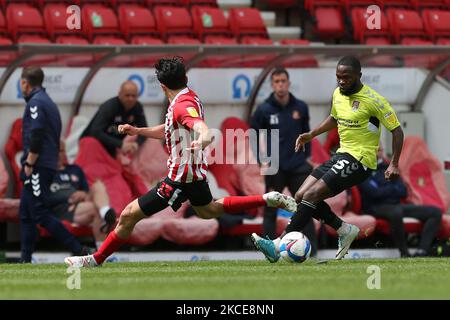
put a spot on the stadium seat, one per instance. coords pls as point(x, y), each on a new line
point(210, 21)
point(312, 5)
point(173, 21)
point(39, 60)
point(329, 23)
point(381, 60)
point(6, 57)
point(74, 60)
point(257, 60)
point(9, 208)
point(24, 19)
point(246, 22)
point(429, 4)
point(13, 152)
point(221, 61)
point(299, 61)
point(3, 26)
point(360, 30)
point(397, 3)
point(135, 20)
point(192, 3)
point(405, 23)
point(155, 3)
point(121, 61)
point(436, 23)
point(419, 61)
point(362, 4)
point(55, 18)
point(99, 20)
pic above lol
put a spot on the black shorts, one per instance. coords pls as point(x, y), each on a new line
point(341, 172)
point(170, 193)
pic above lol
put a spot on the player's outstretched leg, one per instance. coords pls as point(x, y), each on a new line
point(131, 215)
point(279, 200)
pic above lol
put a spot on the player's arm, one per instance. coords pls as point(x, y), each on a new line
point(204, 135)
point(328, 124)
point(393, 171)
point(37, 133)
point(156, 132)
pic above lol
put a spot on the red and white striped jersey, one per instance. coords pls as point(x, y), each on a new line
point(184, 165)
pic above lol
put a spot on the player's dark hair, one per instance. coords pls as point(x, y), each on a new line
point(351, 61)
point(171, 72)
point(34, 76)
point(279, 70)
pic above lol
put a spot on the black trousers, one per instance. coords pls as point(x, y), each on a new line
point(428, 215)
point(278, 182)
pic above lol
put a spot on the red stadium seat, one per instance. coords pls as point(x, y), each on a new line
point(146, 60)
point(220, 61)
point(192, 3)
point(330, 24)
point(247, 22)
point(55, 18)
point(3, 26)
point(136, 20)
point(311, 5)
point(74, 60)
point(398, 3)
point(6, 57)
point(182, 40)
point(122, 61)
point(24, 19)
point(405, 23)
point(380, 60)
point(299, 61)
point(360, 29)
point(40, 59)
point(209, 21)
point(99, 20)
point(363, 4)
point(429, 4)
point(173, 21)
point(156, 3)
point(421, 61)
point(437, 23)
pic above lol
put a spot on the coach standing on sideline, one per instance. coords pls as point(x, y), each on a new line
point(40, 134)
point(284, 112)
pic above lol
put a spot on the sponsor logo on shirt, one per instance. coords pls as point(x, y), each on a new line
point(296, 115)
point(274, 119)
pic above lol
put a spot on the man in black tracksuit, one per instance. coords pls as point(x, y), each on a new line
point(40, 134)
point(125, 108)
point(381, 199)
point(289, 115)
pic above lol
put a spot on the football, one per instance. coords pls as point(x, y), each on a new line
point(295, 247)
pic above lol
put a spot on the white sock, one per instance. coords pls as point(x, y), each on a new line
point(276, 242)
point(344, 228)
point(98, 244)
point(103, 211)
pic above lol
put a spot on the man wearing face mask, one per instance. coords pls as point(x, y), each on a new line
point(41, 137)
point(357, 111)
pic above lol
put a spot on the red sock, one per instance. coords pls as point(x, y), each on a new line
point(239, 204)
point(111, 244)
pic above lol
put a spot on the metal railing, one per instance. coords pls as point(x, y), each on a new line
point(201, 52)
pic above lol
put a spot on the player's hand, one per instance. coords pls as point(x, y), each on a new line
point(392, 172)
point(28, 170)
point(77, 196)
point(302, 139)
point(129, 147)
point(127, 129)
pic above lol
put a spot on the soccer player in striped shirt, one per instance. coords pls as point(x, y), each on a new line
point(187, 167)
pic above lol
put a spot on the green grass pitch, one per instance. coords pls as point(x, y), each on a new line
point(347, 279)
